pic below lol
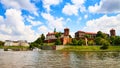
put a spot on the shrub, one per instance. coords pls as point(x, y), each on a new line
point(91, 42)
point(105, 44)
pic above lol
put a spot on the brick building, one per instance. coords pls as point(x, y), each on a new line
point(50, 37)
point(81, 35)
point(112, 32)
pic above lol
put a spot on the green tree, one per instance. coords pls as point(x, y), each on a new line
point(102, 35)
point(91, 42)
point(58, 42)
point(74, 42)
point(105, 44)
point(58, 35)
point(97, 40)
point(42, 37)
point(117, 40)
point(1, 43)
point(81, 42)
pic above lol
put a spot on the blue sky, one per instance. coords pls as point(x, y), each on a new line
point(27, 19)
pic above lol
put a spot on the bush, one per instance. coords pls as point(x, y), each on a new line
point(74, 42)
point(91, 42)
point(105, 44)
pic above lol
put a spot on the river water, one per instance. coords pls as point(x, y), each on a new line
point(58, 59)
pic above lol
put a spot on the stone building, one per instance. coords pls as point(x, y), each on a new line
point(16, 43)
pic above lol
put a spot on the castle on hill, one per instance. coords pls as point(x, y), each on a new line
point(66, 39)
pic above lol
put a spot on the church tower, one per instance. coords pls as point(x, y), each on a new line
point(112, 32)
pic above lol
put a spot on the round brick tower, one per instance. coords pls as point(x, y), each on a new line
point(66, 32)
point(112, 32)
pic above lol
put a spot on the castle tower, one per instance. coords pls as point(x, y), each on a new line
point(66, 32)
point(112, 32)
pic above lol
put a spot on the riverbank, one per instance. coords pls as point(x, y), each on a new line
point(90, 48)
point(15, 48)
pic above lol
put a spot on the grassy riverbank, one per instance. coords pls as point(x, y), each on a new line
point(90, 48)
point(16, 48)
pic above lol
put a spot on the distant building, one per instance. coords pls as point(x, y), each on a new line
point(50, 37)
point(112, 32)
point(16, 43)
point(81, 35)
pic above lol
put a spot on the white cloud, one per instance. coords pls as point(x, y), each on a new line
point(68, 20)
point(70, 9)
point(72, 34)
point(74, 8)
point(78, 2)
point(104, 24)
point(86, 16)
point(43, 29)
point(20, 4)
point(53, 22)
point(48, 3)
point(106, 6)
point(13, 27)
point(33, 21)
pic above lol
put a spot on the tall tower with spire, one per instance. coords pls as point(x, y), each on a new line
point(112, 32)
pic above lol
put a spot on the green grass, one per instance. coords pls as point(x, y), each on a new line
point(90, 48)
point(15, 47)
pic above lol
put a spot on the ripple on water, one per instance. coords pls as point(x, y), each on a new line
point(56, 59)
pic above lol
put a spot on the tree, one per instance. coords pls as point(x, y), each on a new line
point(81, 42)
point(102, 35)
point(1, 43)
point(74, 42)
point(99, 34)
point(58, 35)
point(86, 39)
point(58, 42)
point(91, 42)
point(42, 37)
point(105, 44)
point(97, 40)
point(117, 40)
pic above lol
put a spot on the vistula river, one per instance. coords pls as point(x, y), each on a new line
point(58, 59)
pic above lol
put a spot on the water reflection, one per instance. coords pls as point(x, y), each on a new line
point(58, 59)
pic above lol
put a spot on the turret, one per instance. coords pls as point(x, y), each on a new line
point(112, 32)
point(66, 32)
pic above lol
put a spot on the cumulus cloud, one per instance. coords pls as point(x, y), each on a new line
point(44, 29)
point(32, 21)
point(20, 4)
point(74, 8)
point(48, 3)
point(70, 9)
point(53, 22)
point(106, 6)
point(104, 24)
point(12, 27)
